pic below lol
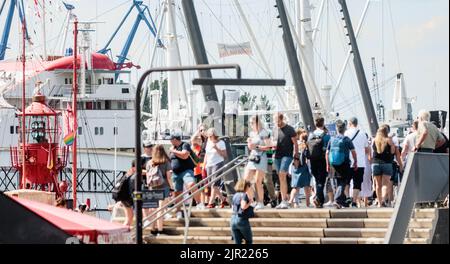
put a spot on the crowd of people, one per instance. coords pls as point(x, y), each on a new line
point(345, 169)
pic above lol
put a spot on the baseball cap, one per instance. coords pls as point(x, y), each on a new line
point(176, 136)
point(148, 144)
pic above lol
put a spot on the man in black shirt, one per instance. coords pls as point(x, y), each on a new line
point(182, 165)
point(286, 151)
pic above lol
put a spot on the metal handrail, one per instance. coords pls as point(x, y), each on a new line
point(219, 174)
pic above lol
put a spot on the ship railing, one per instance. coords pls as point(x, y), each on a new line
point(188, 195)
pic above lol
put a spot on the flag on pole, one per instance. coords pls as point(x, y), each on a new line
point(68, 139)
point(226, 50)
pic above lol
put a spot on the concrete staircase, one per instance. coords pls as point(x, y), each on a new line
point(297, 226)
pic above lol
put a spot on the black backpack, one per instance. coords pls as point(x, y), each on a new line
point(316, 147)
point(121, 190)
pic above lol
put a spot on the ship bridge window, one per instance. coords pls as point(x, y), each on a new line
point(89, 106)
point(11, 130)
point(97, 106)
point(68, 81)
point(125, 90)
point(98, 131)
point(80, 130)
point(108, 80)
point(122, 105)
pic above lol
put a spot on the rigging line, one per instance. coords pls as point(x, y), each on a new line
point(109, 10)
point(372, 89)
point(395, 37)
point(232, 37)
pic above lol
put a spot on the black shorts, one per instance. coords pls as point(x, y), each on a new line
point(343, 171)
point(128, 203)
point(357, 177)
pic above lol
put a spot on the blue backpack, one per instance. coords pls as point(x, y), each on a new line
point(337, 151)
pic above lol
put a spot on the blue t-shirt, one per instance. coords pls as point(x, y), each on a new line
point(347, 146)
point(236, 205)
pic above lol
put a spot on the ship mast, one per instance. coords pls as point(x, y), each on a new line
point(23, 105)
point(176, 85)
point(74, 109)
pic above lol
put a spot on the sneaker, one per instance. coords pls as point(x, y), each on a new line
point(200, 206)
point(283, 205)
point(224, 204)
point(354, 205)
point(348, 201)
point(337, 205)
point(317, 203)
point(328, 204)
point(179, 215)
point(210, 206)
point(273, 203)
point(259, 206)
point(167, 216)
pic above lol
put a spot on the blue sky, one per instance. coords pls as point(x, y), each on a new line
point(420, 26)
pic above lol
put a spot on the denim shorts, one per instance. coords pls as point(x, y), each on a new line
point(283, 164)
point(180, 179)
point(379, 169)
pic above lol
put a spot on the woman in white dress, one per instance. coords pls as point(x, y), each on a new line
point(367, 184)
point(258, 143)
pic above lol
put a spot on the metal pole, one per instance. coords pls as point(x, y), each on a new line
point(198, 47)
point(115, 148)
point(138, 182)
point(44, 34)
point(362, 81)
point(294, 65)
point(23, 106)
point(74, 108)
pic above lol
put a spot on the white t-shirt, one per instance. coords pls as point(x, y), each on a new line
point(410, 141)
point(259, 139)
point(361, 143)
point(212, 156)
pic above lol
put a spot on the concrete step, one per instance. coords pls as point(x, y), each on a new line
point(355, 232)
point(351, 240)
point(301, 213)
point(379, 212)
point(421, 223)
point(419, 233)
point(429, 213)
point(164, 239)
point(255, 222)
point(357, 223)
point(257, 231)
point(417, 241)
point(266, 213)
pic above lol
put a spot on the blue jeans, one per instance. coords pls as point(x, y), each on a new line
point(184, 178)
point(282, 165)
point(241, 229)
